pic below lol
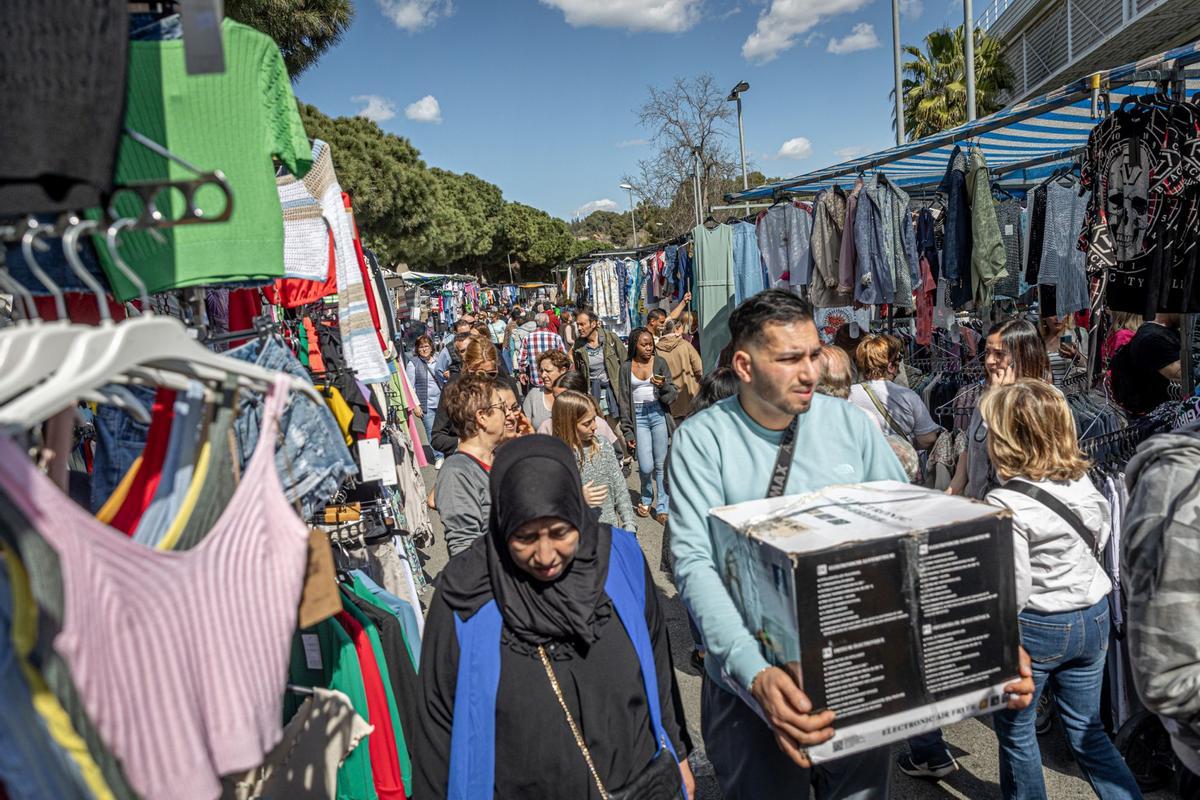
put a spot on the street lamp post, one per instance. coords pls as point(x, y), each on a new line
point(969, 56)
point(736, 96)
point(632, 219)
point(898, 70)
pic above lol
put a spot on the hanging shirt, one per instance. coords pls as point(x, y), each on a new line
point(234, 121)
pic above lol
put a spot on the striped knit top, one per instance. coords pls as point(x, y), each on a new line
point(180, 658)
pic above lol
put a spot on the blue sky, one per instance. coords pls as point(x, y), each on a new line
point(540, 96)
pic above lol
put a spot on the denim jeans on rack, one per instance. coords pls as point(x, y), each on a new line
point(120, 439)
point(651, 424)
point(1068, 652)
point(313, 460)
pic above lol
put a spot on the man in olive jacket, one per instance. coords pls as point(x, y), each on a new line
point(598, 355)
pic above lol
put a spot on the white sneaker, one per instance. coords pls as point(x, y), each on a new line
point(437, 462)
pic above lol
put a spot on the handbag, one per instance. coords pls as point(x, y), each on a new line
point(1039, 495)
point(660, 780)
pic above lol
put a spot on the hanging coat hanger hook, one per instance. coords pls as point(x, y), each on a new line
point(110, 241)
point(71, 251)
point(33, 230)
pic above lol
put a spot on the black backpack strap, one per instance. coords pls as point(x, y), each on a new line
point(1060, 508)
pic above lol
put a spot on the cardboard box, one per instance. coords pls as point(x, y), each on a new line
point(894, 605)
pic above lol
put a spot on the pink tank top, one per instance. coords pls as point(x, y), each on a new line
point(180, 658)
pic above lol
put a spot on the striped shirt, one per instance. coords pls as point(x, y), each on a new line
point(535, 344)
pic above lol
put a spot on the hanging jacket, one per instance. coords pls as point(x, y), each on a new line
point(956, 253)
point(783, 233)
point(1160, 559)
point(887, 246)
point(988, 258)
point(829, 220)
point(473, 734)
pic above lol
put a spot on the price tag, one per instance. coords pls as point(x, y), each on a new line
point(387, 465)
point(203, 49)
point(369, 460)
point(1009, 230)
point(312, 650)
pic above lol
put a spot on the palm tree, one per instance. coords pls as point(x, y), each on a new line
point(303, 29)
point(935, 83)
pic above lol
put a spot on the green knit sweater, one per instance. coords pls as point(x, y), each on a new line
point(235, 122)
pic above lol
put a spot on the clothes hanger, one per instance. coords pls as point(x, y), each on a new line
point(31, 351)
point(105, 351)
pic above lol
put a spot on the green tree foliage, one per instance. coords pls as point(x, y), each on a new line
point(303, 29)
point(385, 176)
point(465, 219)
point(935, 82)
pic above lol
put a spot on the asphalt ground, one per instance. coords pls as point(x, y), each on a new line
point(972, 742)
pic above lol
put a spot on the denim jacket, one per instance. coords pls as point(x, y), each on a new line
point(888, 270)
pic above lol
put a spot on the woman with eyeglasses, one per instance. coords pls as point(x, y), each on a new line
point(515, 422)
point(479, 358)
point(477, 409)
point(1014, 350)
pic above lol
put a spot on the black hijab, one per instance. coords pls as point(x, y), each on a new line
point(535, 476)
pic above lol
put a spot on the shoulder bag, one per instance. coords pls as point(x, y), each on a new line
point(660, 780)
point(1063, 511)
point(883, 412)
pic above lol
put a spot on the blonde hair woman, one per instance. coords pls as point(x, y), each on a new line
point(574, 421)
point(1060, 526)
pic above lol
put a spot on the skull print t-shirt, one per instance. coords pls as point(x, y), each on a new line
point(1143, 168)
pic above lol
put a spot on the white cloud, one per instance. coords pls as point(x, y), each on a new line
point(663, 16)
point(375, 108)
point(912, 9)
point(415, 15)
point(862, 37)
point(847, 153)
point(812, 37)
point(779, 25)
point(797, 148)
point(424, 110)
point(595, 205)
point(633, 143)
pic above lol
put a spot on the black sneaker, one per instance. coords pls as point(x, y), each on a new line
point(928, 770)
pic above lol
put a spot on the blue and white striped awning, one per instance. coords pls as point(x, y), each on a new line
point(1056, 123)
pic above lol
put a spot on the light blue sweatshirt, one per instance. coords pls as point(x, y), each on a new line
point(720, 457)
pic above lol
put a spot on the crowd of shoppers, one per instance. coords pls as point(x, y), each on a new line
point(548, 587)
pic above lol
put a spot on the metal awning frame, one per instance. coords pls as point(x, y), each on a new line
point(1094, 86)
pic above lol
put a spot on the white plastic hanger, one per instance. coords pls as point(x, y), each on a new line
point(100, 354)
point(31, 352)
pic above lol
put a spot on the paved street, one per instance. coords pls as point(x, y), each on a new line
point(973, 743)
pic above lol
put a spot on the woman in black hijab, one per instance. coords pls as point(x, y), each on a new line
point(546, 564)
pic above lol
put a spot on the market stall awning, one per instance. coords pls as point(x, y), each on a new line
point(1047, 129)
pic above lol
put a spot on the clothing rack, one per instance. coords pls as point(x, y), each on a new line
point(1081, 89)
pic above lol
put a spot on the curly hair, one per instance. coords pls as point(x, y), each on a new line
point(465, 398)
point(1031, 432)
point(558, 358)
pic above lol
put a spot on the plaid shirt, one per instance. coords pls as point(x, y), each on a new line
point(540, 341)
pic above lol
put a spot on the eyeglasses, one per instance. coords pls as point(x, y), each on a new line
point(488, 409)
point(513, 409)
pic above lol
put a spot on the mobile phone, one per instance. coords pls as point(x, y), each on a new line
point(1067, 338)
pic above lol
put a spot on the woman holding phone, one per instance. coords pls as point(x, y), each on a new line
point(646, 394)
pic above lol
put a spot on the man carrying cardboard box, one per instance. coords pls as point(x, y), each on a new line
point(745, 448)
